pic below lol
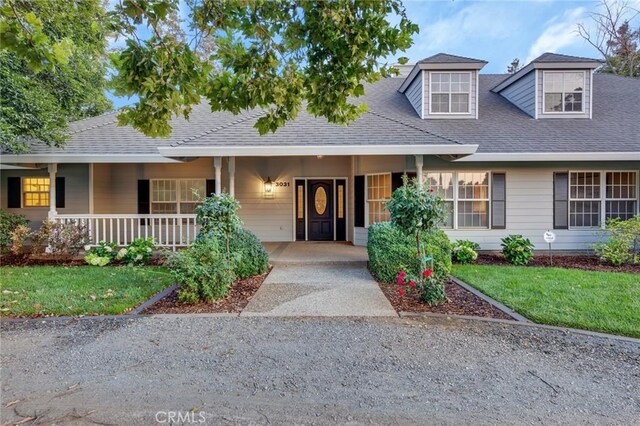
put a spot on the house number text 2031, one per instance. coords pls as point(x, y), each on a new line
point(276, 183)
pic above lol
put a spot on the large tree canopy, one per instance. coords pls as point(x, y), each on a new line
point(244, 54)
point(52, 68)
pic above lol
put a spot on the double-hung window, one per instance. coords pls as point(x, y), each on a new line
point(450, 92)
point(171, 196)
point(595, 196)
point(563, 91)
point(466, 197)
point(378, 193)
point(443, 185)
point(35, 192)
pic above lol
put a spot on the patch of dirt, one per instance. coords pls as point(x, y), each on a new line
point(584, 262)
point(239, 295)
point(459, 302)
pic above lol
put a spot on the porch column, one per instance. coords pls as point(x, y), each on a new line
point(419, 163)
point(53, 169)
point(217, 163)
point(232, 176)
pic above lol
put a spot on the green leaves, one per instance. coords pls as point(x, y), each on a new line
point(276, 56)
point(51, 68)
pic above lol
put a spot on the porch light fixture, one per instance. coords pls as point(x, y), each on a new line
point(268, 188)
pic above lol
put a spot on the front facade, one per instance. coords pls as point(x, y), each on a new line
point(553, 146)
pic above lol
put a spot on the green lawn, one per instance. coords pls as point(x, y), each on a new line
point(599, 301)
point(79, 290)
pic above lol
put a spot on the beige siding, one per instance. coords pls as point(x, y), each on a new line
point(76, 191)
point(586, 104)
point(472, 108)
point(529, 205)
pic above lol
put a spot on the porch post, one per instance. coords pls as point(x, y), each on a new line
point(217, 163)
point(419, 163)
point(232, 176)
point(53, 169)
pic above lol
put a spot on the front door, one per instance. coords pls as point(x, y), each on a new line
point(320, 208)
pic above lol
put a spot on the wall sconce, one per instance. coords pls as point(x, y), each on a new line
point(268, 188)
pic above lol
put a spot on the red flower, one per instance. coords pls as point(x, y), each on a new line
point(412, 284)
point(401, 291)
point(427, 273)
point(400, 277)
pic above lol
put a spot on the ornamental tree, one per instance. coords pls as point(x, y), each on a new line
point(415, 211)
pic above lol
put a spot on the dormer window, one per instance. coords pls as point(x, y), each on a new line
point(563, 91)
point(450, 92)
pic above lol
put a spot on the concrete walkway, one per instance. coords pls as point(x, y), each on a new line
point(318, 280)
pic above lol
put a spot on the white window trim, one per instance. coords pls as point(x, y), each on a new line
point(584, 94)
point(455, 200)
point(431, 73)
point(603, 197)
point(366, 194)
point(22, 192)
point(177, 202)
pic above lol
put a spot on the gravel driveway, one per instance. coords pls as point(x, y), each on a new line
point(314, 371)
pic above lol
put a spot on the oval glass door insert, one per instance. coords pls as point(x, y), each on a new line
point(320, 200)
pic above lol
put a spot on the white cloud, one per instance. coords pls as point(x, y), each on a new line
point(559, 33)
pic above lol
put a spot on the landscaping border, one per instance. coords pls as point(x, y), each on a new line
point(144, 305)
point(490, 300)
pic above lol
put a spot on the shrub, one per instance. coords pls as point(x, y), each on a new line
point(464, 251)
point(391, 251)
point(202, 271)
point(622, 243)
point(19, 238)
point(252, 258)
point(58, 238)
point(517, 249)
point(8, 224)
point(138, 252)
point(101, 255)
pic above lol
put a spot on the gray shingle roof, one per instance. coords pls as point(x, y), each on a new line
point(557, 57)
point(445, 58)
point(501, 127)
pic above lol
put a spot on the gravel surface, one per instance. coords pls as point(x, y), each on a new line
point(314, 371)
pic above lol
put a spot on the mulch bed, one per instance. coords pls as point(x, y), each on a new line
point(584, 262)
point(235, 301)
point(460, 302)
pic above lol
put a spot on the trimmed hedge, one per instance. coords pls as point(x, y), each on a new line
point(390, 251)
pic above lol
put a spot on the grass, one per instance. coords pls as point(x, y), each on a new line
point(598, 301)
point(77, 290)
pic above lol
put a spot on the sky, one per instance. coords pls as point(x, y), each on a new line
point(496, 31)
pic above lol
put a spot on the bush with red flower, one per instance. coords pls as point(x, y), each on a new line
point(415, 211)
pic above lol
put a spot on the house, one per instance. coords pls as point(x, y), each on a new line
point(553, 146)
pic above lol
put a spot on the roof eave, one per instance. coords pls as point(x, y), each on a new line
point(551, 156)
point(312, 150)
point(87, 158)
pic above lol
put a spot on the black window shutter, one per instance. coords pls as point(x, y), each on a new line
point(211, 187)
point(561, 200)
point(144, 199)
point(358, 194)
point(13, 193)
point(498, 201)
point(396, 181)
point(411, 175)
point(60, 192)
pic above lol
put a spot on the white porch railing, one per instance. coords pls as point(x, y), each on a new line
point(167, 230)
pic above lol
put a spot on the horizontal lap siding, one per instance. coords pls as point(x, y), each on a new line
point(523, 94)
point(76, 191)
point(414, 94)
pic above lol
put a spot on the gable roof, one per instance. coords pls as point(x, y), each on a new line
point(548, 60)
point(558, 57)
point(445, 58)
